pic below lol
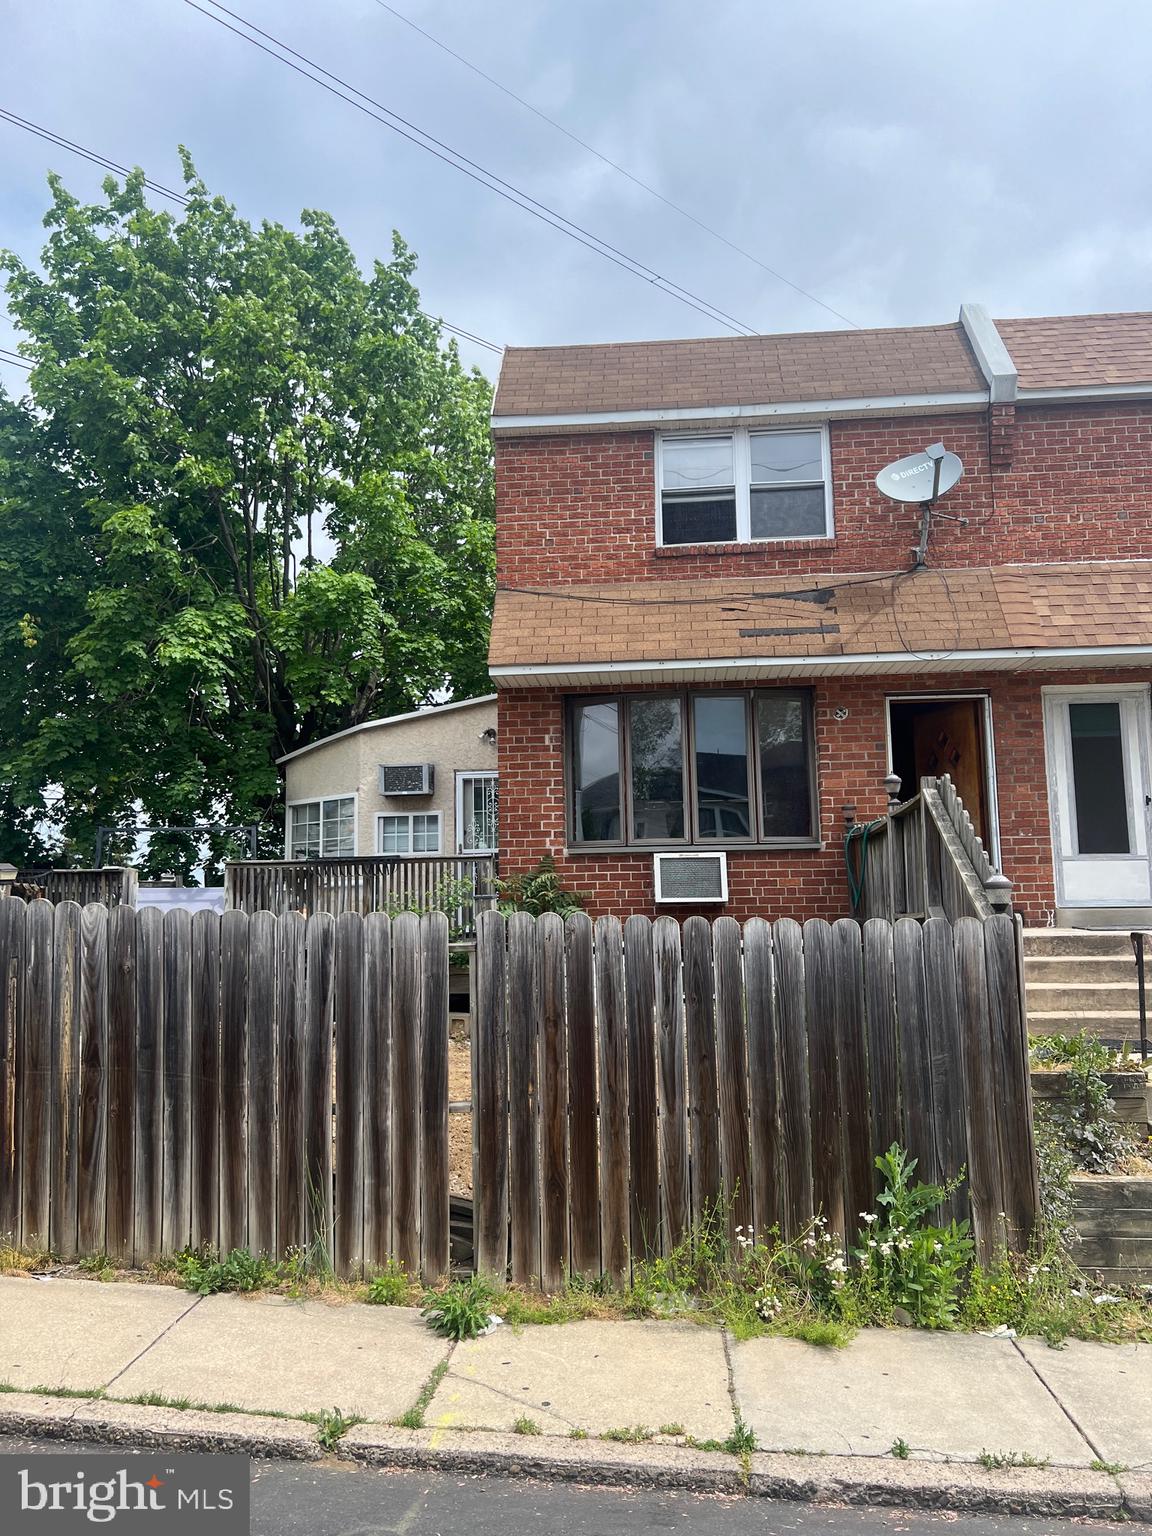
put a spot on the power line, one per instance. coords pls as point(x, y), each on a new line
point(470, 168)
point(615, 165)
point(10, 357)
point(96, 158)
point(817, 592)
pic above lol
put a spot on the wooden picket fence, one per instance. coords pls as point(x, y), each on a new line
point(275, 1082)
point(658, 1075)
point(243, 1081)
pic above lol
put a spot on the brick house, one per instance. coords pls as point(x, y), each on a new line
point(710, 633)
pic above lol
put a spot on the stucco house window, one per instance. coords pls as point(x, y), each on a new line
point(323, 829)
point(476, 813)
point(418, 832)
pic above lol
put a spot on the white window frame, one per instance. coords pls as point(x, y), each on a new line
point(321, 801)
point(463, 774)
point(437, 816)
point(742, 469)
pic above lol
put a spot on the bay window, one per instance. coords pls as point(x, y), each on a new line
point(744, 487)
point(718, 767)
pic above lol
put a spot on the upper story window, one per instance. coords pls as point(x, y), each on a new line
point(744, 486)
point(717, 767)
point(323, 829)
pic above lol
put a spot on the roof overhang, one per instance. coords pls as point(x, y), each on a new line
point(716, 415)
point(712, 669)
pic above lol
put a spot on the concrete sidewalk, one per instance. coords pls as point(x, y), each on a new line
point(1068, 1430)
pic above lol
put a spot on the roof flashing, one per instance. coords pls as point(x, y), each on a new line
point(993, 356)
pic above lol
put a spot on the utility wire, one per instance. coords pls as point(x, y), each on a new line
point(615, 165)
point(460, 162)
point(811, 593)
point(103, 161)
point(10, 357)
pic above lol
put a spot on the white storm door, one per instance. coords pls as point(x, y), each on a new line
point(1097, 742)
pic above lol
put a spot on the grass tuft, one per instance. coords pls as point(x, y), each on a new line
point(526, 1426)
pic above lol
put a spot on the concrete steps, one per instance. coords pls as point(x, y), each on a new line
point(1082, 981)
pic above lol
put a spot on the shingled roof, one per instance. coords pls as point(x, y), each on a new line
point(735, 370)
point(1074, 351)
point(1060, 352)
point(999, 616)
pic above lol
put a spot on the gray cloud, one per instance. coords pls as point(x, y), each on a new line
point(893, 157)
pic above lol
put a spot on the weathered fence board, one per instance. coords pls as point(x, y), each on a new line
point(177, 1106)
point(260, 1082)
point(282, 1081)
point(205, 1109)
point(434, 1213)
point(36, 1099)
point(676, 1211)
point(763, 1075)
point(65, 1077)
point(732, 1069)
point(378, 1160)
point(643, 1147)
point(407, 987)
point(490, 1098)
point(150, 1081)
point(351, 1092)
point(613, 1061)
point(92, 1107)
point(795, 1117)
point(583, 1158)
point(12, 971)
point(554, 1249)
point(523, 1074)
point(700, 1031)
point(119, 1204)
point(234, 986)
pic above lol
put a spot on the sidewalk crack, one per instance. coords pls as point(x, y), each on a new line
point(164, 1332)
point(1067, 1412)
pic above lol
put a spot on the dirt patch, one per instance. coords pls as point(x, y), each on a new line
point(459, 1126)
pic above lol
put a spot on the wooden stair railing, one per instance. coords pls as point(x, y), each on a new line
point(922, 859)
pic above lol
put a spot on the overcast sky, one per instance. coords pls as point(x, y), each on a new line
point(892, 157)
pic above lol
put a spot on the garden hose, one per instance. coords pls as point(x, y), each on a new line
point(861, 833)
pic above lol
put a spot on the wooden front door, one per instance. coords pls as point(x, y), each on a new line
point(948, 738)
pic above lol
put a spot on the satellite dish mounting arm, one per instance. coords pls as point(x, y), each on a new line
point(935, 452)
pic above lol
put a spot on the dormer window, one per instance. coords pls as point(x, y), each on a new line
point(744, 487)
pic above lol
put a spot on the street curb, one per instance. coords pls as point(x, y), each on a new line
point(70, 1418)
point(859, 1480)
point(546, 1457)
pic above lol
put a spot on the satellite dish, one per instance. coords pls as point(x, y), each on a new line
point(921, 476)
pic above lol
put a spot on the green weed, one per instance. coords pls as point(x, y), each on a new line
point(526, 1426)
point(461, 1310)
point(390, 1288)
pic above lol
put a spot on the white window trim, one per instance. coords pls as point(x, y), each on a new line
point(319, 800)
point(408, 815)
point(742, 469)
point(461, 775)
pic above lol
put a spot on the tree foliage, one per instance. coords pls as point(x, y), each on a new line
point(247, 502)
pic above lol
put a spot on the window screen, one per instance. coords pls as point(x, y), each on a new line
point(698, 490)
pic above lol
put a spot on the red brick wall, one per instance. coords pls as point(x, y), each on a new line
point(799, 883)
point(1079, 487)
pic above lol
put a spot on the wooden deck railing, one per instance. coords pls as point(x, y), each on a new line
point(114, 885)
point(383, 883)
point(923, 859)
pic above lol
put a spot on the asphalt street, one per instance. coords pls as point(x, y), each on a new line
point(341, 1499)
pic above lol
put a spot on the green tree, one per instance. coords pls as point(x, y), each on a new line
point(247, 502)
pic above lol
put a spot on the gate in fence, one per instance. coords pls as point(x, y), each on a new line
point(271, 1082)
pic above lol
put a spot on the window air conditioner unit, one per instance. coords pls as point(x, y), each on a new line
point(691, 877)
point(407, 778)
